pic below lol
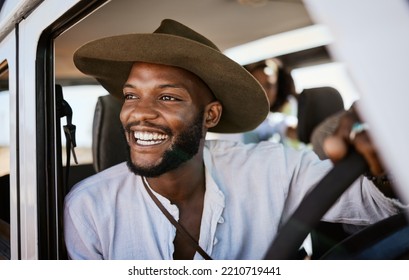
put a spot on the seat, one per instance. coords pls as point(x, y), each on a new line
point(318, 111)
point(314, 106)
point(109, 146)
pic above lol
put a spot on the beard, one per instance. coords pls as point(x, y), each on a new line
point(185, 147)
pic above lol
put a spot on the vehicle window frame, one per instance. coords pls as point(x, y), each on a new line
point(50, 177)
point(8, 63)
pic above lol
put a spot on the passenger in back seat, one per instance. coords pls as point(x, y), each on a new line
point(179, 196)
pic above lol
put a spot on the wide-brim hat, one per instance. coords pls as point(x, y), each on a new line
point(110, 59)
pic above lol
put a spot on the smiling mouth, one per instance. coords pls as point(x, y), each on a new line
point(145, 138)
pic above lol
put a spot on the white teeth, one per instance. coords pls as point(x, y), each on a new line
point(147, 143)
point(149, 138)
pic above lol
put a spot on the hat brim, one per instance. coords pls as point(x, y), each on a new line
point(109, 60)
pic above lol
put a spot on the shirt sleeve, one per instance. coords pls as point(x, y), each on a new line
point(80, 239)
point(365, 205)
point(361, 204)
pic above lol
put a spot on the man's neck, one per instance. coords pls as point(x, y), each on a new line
point(182, 184)
point(184, 187)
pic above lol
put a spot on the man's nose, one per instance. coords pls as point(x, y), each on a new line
point(144, 109)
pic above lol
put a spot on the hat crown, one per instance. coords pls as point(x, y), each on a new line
point(172, 27)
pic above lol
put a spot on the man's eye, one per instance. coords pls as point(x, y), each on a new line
point(168, 98)
point(128, 96)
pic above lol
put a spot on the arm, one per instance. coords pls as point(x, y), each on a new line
point(351, 133)
point(80, 240)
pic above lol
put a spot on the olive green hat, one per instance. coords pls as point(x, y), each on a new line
point(110, 59)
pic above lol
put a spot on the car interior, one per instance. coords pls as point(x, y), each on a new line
point(246, 21)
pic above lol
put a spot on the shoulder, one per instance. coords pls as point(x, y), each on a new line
point(264, 153)
point(239, 149)
point(101, 184)
point(260, 156)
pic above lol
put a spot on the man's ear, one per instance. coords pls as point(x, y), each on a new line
point(212, 114)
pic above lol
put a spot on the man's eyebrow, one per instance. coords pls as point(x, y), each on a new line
point(128, 86)
point(172, 86)
point(160, 86)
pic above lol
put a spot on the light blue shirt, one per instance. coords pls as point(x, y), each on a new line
point(250, 191)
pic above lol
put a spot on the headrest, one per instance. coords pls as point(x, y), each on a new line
point(314, 106)
point(109, 146)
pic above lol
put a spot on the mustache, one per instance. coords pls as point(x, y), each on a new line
point(165, 129)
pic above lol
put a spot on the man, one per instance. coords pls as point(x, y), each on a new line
point(179, 196)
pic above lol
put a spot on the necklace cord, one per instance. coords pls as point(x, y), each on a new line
point(193, 242)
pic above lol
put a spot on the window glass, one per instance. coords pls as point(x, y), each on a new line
point(4, 166)
point(5, 125)
point(82, 100)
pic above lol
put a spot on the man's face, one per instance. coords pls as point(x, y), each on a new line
point(163, 117)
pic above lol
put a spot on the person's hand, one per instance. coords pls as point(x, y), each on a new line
point(352, 132)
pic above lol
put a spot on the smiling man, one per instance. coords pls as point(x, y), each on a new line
point(180, 196)
point(163, 116)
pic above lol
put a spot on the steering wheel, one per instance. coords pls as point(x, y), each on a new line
point(386, 239)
